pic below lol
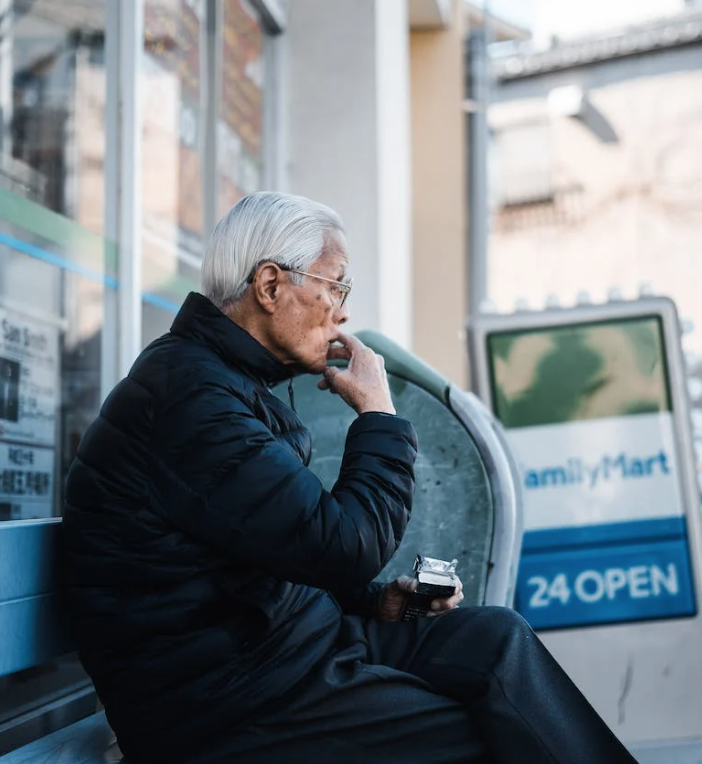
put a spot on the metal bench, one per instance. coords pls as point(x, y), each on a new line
point(34, 634)
point(466, 506)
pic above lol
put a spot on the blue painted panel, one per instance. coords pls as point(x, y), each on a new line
point(615, 574)
point(609, 534)
point(27, 558)
point(32, 626)
point(32, 631)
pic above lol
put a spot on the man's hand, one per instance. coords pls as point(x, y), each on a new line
point(364, 383)
point(394, 597)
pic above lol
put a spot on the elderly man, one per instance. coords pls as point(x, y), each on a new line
point(223, 601)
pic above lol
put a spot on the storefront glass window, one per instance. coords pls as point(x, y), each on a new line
point(52, 100)
point(58, 273)
point(57, 294)
point(179, 80)
point(174, 93)
point(57, 286)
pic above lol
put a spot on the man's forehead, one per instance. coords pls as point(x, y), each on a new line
point(337, 258)
point(335, 246)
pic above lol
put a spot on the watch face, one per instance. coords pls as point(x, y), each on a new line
point(9, 389)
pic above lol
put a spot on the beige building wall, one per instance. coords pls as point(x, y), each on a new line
point(621, 212)
point(439, 205)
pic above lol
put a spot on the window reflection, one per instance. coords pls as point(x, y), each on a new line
point(179, 76)
point(52, 81)
point(240, 124)
point(53, 296)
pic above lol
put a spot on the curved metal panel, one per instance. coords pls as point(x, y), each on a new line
point(502, 473)
point(453, 510)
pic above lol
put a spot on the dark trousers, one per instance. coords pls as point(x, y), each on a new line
point(474, 686)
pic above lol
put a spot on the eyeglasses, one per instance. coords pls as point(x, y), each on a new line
point(340, 290)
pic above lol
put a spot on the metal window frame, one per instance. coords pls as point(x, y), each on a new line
point(124, 53)
point(273, 15)
point(275, 136)
point(211, 64)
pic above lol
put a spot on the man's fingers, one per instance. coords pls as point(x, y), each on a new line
point(350, 342)
point(450, 603)
point(338, 353)
point(363, 384)
point(327, 383)
point(406, 583)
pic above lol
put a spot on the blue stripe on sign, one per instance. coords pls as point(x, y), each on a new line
point(60, 261)
point(607, 534)
point(606, 585)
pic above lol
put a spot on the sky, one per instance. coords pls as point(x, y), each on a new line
point(519, 12)
point(572, 18)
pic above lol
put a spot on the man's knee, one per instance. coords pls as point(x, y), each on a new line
point(466, 646)
point(496, 625)
point(484, 633)
point(505, 619)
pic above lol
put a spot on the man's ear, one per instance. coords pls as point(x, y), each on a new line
point(266, 287)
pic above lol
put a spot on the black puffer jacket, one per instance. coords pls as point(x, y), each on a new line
point(199, 549)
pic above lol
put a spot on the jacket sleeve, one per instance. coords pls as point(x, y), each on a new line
point(223, 478)
point(363, 600)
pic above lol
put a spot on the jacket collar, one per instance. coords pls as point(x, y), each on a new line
point(200, 320)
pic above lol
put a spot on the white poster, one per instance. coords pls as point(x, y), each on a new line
point(29, 403)
point(29, 391)
point(26, 482)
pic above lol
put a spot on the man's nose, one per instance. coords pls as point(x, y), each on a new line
point(342, 313)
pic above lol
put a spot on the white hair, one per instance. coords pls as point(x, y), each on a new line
point(292, 231)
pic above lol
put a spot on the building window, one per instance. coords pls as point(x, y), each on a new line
point(524, 164)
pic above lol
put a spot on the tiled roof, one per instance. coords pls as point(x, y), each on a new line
point(683, 29)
